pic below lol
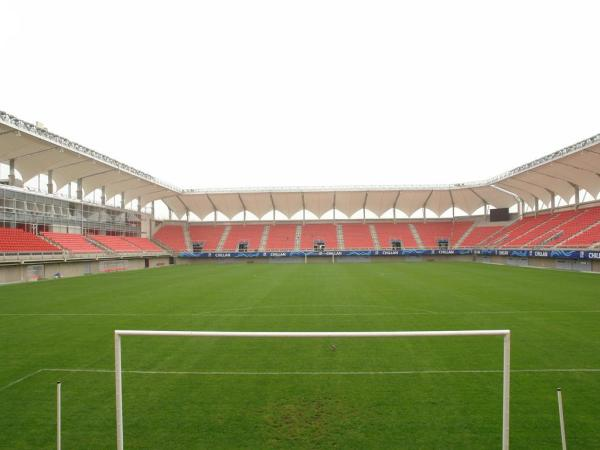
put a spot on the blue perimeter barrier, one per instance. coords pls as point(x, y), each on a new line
point(520, 253)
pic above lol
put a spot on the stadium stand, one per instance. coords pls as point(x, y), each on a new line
point(388, 232)
point(357, 235)
point(249, 234)
point(580, 232)
point(116, 244)
point(282, 237)
point(146, 245)
point(326, 233)
point(515, 229)
point(432, 232)
point(171, 236)
point(539, 234)
point(73, 243)
point(479, 235)
point(15, 240)
point(207, 235)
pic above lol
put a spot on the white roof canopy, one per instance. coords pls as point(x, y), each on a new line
point(561, 175)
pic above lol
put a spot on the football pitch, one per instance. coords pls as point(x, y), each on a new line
point(376, 393)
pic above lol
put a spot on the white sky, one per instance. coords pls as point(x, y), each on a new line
point(306, 93)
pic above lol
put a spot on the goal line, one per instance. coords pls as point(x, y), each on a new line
point(315, 334)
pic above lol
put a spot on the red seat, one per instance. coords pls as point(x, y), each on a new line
point(281, 237)
point(357, 236)
point(251, 234)
point(388, 232)
point(172, 237)
point(208, 235)
point(319, 232)
point(116, 244)
point(74, 243)
point(15, 240)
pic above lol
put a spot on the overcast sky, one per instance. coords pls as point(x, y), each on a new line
point(306, 93)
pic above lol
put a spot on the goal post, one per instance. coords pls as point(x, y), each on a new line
point(316, 334)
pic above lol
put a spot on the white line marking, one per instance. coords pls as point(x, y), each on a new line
point(390, 372)
point(391, 313)
point(12, 383)
point(253, 373)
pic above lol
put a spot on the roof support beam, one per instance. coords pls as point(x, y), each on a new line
point(29, 154)
point(243, 206)
point(395, 207)
point(452, 200)
point(50, 186)
point(365, 206)
point(103, 195)
point(576, 189)
point(334, 207)
point(213, 205)
point(11, 172)
point(425, 205)
point(79, 188)
point(552, 200)
point(272, 205)
point(303, 208)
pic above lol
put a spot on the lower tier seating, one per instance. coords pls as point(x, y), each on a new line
point(326, 233)
point(249, 235)
point(282, 237)
point(171, 236)
point(357, 235)
point(145, 245)
point(74, 243)
point(15, 240)
point(208, 236)
point(479, 235)
point(390, 232)
point(115, 243)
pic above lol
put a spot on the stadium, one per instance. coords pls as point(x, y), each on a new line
point(295, 260)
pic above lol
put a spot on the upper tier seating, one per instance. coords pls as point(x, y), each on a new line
point(208, 235)
point(15, 240)
point(388, 232)
point(479, 234)
point(357, 235)
point(74, 243)
point(171, 236)
point(281, 237)
point(115, 243)
point(251, 234)
point(319, 232)
point(432, 232)
point(143, 244)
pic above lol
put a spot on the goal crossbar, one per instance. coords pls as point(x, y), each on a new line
point(316, 334)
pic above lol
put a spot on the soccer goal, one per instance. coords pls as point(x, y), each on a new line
point(315, 334)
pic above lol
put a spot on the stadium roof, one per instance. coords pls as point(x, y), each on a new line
point(34, 150)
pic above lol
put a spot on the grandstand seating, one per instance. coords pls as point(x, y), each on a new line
point(172, 237)
point(209, 235)
point(15, 240)
point(116, 244)
point(432, 232)
point(73, 243)
point(479, 235)
point(516, 229)
point(281, 237)
point(388, 232)
point(357, 235)
point(146, 245)
point(580, 232)
point(319, 232)
point(543, 232)
point(243, 233)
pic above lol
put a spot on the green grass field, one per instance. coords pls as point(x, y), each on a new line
point(186, 393)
